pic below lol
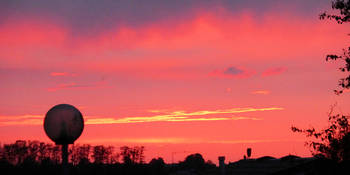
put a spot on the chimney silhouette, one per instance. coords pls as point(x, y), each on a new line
point(222, 165)
point(249, 152)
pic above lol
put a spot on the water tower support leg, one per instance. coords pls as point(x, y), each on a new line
point(65, 159)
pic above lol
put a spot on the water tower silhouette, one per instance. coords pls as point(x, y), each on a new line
point(63, 124)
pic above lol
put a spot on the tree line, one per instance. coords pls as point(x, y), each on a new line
point(23, 151)
point(35, 157)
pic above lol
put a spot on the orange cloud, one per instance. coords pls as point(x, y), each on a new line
point(58, 74)
point(262, 92)
point(21, 120)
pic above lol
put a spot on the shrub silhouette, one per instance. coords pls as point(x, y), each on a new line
point(334, 141)
point(194, 161)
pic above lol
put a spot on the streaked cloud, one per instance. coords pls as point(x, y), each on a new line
point(175, 116)
point(75, 85)
point(273, 71)
point(21, 120)
point(162, 118)
point(225, 111)
point(21, 117)
point(262, 92)
point(63, 86)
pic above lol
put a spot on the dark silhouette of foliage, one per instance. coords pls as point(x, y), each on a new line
point(33, 150)
point(344, 83)
point(80, 154)
point(195, 161)
point(195, 164)
point(101, 154)
point(34, 157)
point(132, 155)
point(343, 6)
point(334, 141)
point(39, 152)
point(157, 165)
point(157, 162)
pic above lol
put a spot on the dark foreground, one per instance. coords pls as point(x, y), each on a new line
point(264, 165)
point(36, 158)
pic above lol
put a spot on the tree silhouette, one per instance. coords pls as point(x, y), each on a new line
point(343, 7)
point(157, 165)
point(9, 153)
point(34, 157)
point(83, 154)
point(43, 153)
point(101, 154)
point(125, 153)
point(55, 153)
point(334, 141)
point(33, 150)
point(159, 162)
point(195, 161)
point(114, 158)
point(132, 155)
point(21, 150)
point(80, 154)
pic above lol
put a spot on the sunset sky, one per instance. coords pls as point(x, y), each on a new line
point(178, 77)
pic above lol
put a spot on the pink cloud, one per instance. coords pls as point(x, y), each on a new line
point(75, 85)
point(273, 71)
point(116, 48)
point(63, 86)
